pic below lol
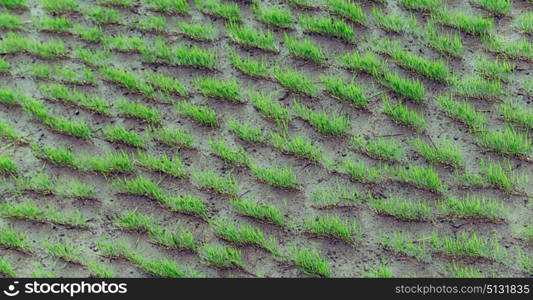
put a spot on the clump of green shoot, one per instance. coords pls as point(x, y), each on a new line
point(8, 132)
point(104, 16)
point(226, 89)
point(493, 69)
point(422, 177)
point(203, 32)
point(329, 124)
point(272, 15)
point(210, 180)
point(447, 43)
point(334, 227)
point(164, 164)
point(379, 148)
point(247, 132)
point(524, 22)
point(60, 24)
point(260, 211)
point(502, 176)
point(362, 172)
point(423, 5)
point(253, 67)
point(277, 176)
point(497, 7)
point(443, 152)
point(402, 209)
point(222, 256)
point(521, 48)
point(310, 261)
point(381, 271)
point(472, 207)
point(166, 84)
point(506, 142)
point(347, 9)
point(458, 271)
point(14, 4)
point(75, 189)
point(270, 108)
point(406, 245)
point(172, 136)
point(9, 21)
point(54, 91)
point(349, 92)
point(11, 239)
point(336, 195)
point(402, 114)
point(6, 268)
point(468, 245)
point(168, 6)
point(515, 113)
point(231, 154)
point(368, 63)
point(463, 111)
point(7, 166)
point(465, 22)
point(305, 49)
point(61, 7)
point(477, 87)
point(228, 11)
point(109, 163)
point(327, 26)
point(394, 22)
point(120, 134)
point(296, 145)
point(306, 4)
point(413, 89)
point(4, 66)
point(30, 211)
point(138, 110)
point(242, 234)
point(201, 114)
point(295, 81)
point(250, 37)
point(117, 3)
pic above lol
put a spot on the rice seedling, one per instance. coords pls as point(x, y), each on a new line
point(402, 209)
point(226, 89)
point(443, 152)
point(11, 239)
point(242, 234)
point(6, 268)
point(138, 110)
point(472, 207)
point(263, 212)
point(207, 179)
point(272, 15)
point(295, 81)
point(203, 32)
point(30, 211)
point(250, 37)
point(14, 43)
point(270, 108)
point(8, 96)
point(306, 4)
point(423, 5)
point(379, 148)
point(421, 177)
point(326, 123)
point(310, 261)
point(247, 132)
point(305, 49)
point(513, 112)
point(368, 63)
point(139, 186)
point(38, 182)
point(74, 189)
point(521, 48)
point(104, 16)
point(166, 84)
point(221, 256)
point(432, 69)
point(333, 227)
point(117, 3)
point(8, 132)
point(296, 145)
point(7, 166)
point(152, 24)
point(88, 34)
point(178, 55)
point(228, 11)
point(129, 80)
point(360, 171)
point(458, 271)
point(476, 87)
point(109, 163)
point(404, 244)
point(165, 268)
point(14, 4)
point(277, 176)
point(201, 114)
point(468, 245)
point(383, 271)
point(347, 9)
point(172, 166)
point(4, 66)
point(63, 93)
point(336, 195)
point(99, 270)
point(120, 134)
point(182, 239)
point(186, 205)
point(65, 251)
point(252, 67)
point(462, 111)
point(90, 57)
point(329, 26)
point(77, 128)
point(133, 220)
point(169, 6)
point(60, 6)
point(524, 22)
point(234, 155)
point(9, 21)
point(58, 156)
point(506, 142)
point(172, 136)
point(70, 75)
point(465, 22)
point(497, 7)
point(122, 43)
point(349, 92)
point(394, 22)
point(401, 114)
point(446, 43)
point(493, 69)
point(502, 176)
point(412, 89)
point(525, 262)
point(41, 272)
